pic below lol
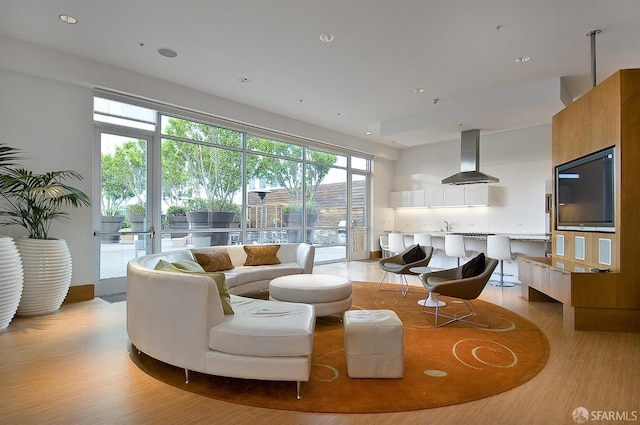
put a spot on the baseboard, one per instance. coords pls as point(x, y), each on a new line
point(375, 255)
point(80, 293)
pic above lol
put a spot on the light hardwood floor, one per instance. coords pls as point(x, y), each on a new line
point(73, 367)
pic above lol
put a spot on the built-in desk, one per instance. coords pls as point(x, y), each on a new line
point(541, 280)
point(547, 279)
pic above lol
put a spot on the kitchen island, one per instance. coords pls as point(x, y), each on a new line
point(522, 244)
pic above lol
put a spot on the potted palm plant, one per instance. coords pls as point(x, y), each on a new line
point(12, 275)
point(34, 201)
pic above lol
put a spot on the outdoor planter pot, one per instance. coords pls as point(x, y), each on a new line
point(137, 222)
point(178, 222)
point(111, 224)
point(208, 220)
point(294, 219)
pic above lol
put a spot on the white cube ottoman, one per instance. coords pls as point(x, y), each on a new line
point(329, 294)
point(374, 344)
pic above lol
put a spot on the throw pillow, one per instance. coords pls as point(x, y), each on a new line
point(167, 266)
point(218, 278)
point(188, 265)
point(261, 255)
point(414, 254)
point(215, 260)
point(223, 290)
point(474, 267)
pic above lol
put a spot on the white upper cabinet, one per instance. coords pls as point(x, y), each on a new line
point(416, 198)
point(454, 196)
point(407, 198)
point(434, 197)
point(477, 194)
point(445, 196)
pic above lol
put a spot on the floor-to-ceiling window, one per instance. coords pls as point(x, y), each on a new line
point(198, 181)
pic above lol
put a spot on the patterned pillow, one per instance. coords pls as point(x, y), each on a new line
point(215, 260)
point(218, 278)
point(261, 255)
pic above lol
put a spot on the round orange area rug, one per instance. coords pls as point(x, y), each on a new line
point(442, 366)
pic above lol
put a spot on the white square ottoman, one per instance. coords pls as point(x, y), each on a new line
point(373, 344)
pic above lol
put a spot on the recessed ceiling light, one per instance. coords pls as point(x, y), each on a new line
point(523, 59)
point(167, 53)
point(368, 133)
point(326, 38)
point(419, 90)
point(244, 80)
point(68, 19)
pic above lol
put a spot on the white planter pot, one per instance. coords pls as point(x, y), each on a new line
point(46, 264)
point(10, 281)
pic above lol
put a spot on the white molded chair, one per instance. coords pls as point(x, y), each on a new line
point(454, 247)
point(396, 243)
point(424, 239)
point(499, 247)
point(384, 244)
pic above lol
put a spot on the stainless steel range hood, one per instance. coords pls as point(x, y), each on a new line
point(470, 162)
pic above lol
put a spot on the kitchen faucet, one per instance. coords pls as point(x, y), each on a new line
point(446, 226)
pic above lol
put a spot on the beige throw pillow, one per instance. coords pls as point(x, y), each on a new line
point(215, 260)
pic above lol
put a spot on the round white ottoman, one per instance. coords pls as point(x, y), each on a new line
point(329, 294)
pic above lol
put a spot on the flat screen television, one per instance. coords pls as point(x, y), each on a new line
point(585, 193)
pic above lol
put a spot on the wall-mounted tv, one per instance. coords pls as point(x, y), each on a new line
point(585, 193)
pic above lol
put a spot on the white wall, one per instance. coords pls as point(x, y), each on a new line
point(383, 217)
point(521, 159)
point(52, 123)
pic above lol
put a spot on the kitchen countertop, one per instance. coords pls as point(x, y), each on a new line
point(524, 237)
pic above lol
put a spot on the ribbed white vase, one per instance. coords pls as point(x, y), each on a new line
point(46, 264)
point(10, 281)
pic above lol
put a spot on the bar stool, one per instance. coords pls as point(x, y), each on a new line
point(499, 247)
point(384, 244)
point(396, 243)
point(454, 247)
point(424, 239)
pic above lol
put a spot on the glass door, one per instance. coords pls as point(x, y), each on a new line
point(123, 227)
point(358, 229)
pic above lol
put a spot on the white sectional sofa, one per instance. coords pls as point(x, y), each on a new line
point(178, 318)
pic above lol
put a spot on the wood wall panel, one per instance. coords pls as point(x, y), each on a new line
point(608, 115)
point(80, 293)
point(630, 165)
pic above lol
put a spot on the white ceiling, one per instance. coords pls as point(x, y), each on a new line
point(461, 52)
